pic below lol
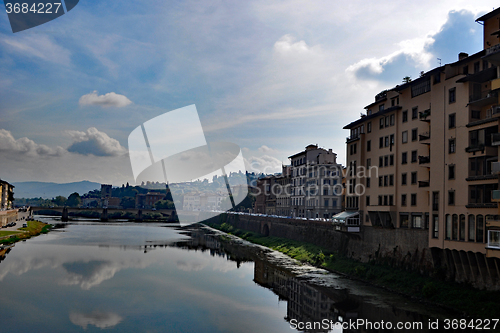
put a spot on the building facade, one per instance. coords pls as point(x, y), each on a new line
point(316, 183)
point(424, 156)
point(6, 195)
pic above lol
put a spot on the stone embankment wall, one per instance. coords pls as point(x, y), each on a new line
point(400, 247)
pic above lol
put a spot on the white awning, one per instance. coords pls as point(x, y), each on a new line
point(343, 216)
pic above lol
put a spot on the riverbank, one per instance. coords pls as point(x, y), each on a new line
point(34, 228)
point(463, 299)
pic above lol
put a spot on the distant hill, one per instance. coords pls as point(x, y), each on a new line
point(52, 190)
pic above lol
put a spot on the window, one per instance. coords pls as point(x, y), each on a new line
point(414, 134)
point(380, 181)
point(386, 180)
point(368, 162)
point(386, 202)
point(405, 116)
point(435, 201)
point(451, 120)
point(381, 107)
point(474, 114)
point(381, 142)
point(448, 226)
point(369, 145)
point(452, 95)
point(416, 221)
point(452, 147)
point(386, 139)
point(327, 201)
point(404, 136)
point(472, 228)
point(391, 160)
point(368, 182)
point(403, 199)
point(391, 180)
point(451, 171)
point(403, 179)
point(380, 200)
point(368, 200)
point(386, 160)
point(414, 177)
point(414, 156)
point(382, 122)
point(435, 226)
point(391, 200)
point(476, 67)
point(422, 87)
point(454, 227)
point(369, 127)
point(404, 158)
point(387, 121)
point(465, 70)
point(380, 161)
point(451, 198)
point(414, 113)
point(461, 225)
point(479, 229)
point(403, 220)
point(393, 119)
point(391, 139)
point(413, 199)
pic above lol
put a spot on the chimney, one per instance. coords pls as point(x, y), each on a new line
point(462, 55)
point(330, 150)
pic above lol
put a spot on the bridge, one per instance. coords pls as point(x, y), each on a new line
point(104, 212)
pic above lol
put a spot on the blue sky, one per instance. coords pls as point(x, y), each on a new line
point(271, 77)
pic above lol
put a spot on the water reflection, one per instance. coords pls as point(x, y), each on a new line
point(134, 278)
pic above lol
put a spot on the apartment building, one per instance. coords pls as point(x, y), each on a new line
point(316, 183)
point(6, 195)
point(424, 156)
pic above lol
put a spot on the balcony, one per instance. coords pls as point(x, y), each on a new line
point(493, 221)
point(425, 183)
point(424, 114)
point(352, 138)
point(424, 159)
point(493, 54)
point(484, 98)
point(495, 139)
point(424, 136)
point(482, 205)
point(495, 168)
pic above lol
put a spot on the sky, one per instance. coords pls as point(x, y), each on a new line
point(269, 76)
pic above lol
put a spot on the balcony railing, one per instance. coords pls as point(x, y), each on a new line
point(352, 137)
point(493, 49)
point(495, 195)
point(425, 183)
point(473, 148)
point(483, 95)
point(424, 136)
point(424, 159)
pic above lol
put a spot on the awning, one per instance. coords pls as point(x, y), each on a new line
point(343, 216)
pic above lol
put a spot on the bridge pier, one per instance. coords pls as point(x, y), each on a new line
point(64, 216)
point(104, 215)
point(138, 217)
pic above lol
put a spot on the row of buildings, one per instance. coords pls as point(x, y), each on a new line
point(310, 187)
point(425, 156)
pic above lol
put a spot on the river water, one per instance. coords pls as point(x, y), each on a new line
point(90, 276)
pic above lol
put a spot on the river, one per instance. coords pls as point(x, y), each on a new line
point(128, 277)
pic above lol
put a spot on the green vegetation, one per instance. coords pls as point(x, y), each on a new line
point(460, 297)
point(7, 233)
point(34, 228)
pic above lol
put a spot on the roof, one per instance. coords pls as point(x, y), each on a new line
point(489, 15)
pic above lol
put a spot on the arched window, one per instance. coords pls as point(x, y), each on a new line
point(480, 229)
point(462, 227)
point(448, 226)
point(472, 228)
point(454, 233)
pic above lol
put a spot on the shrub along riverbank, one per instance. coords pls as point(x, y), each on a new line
point(34, 228)
point(459, 297)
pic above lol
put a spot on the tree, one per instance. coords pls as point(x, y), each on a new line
point(127, 202)
point(59, 201)
point(406, 79)
point(74, 200)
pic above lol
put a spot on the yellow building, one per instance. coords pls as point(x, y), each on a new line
point(423, 158)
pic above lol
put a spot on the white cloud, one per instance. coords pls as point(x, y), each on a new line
point(107, 100)
point(39, 46)
point(96, 318)
point(266, 149)
point(263, 164)
point(26, 146)
point(95, 143)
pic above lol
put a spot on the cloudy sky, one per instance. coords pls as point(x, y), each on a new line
point(270, 76)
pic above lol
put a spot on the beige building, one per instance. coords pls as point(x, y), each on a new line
point(422, 157)
point(6, 195)
point(316, 183)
